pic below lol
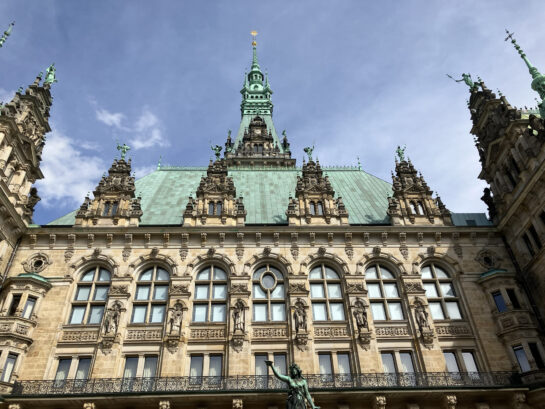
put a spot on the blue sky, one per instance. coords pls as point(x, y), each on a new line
point(356, 78)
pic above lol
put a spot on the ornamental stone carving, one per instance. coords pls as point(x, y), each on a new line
point(164, 404)
point(488, 259)
point(379, 402)
point(121, 290)
point(422, 320)
point(239, 317)
point(238, 403)
point(269, 332)
point(174, 320)
point(297, 288)
point(207, 333)
point(89, 405)
point(111, 319)
point(36, 263)
point(179, 290)
point(352, 288)
point(391, 331)
point(300, 316)
point(413, 287)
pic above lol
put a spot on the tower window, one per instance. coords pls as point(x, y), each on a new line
point(312, 208)
point(106, 210)
point(211, 208)
point(499, 301)
point(320, 209)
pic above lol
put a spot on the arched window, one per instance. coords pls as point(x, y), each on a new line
point(326, 294)
point(414, 208)
point(210, 295)
point(106, 209)
point(211, 208)
point(151, 296)
point(268, 294)
point(91, 295)
point(383, 293)
point(320, 209)
point(115, 206)
point(219, 206)
point(312, 208)
point(421, 209)
point(442, 297)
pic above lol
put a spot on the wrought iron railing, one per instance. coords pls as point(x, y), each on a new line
point(250, 383)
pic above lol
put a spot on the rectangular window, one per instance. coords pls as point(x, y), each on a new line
point(390, 291)
point(29, 307)
point(260, 366)
point(62, 371)
point(374, 291)
point(536, 355)
point(278, 292)
point(334, 291)
point(325, 364)
point(436, 311)
point(396, 312)
point(201, 292)
point(317, 291)
point(343, 363)
point(76, 317)
point(521, 358)
point(448, 290)
point(406, 359)
point(195, 369)
point(82, 293)
point(160, 292)
point(131, 364)
point(453, 310)
point(528, 243)
point(218, 313)
point(451, 361)
point(84, 365)
point(513, 297)
point(157, 313)
point(139, 313)
point(8, 367)
point(101, 293)
point(469, 361)
point(431, 290)
point(388, 362)
point(95, 314)
point(500, 302)
point(260, 312)
point(377, 308)
point(278, 312)
point(142, 292)
point(535, 236)
point(319, 312)
point(215, 367)
point(337, 311)
point(280, 363)
point(259, 294)
point(219, 292)
point(200, 311)
point(14, 304)
point(150, 366)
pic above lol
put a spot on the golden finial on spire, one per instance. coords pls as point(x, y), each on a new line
point(254, 34)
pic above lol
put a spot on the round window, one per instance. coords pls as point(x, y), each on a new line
point(268, 281)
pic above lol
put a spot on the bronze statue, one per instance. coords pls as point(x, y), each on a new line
point(298, 394)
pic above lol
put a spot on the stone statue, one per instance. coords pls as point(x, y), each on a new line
point(467, 79)
point(401, 153)
point(50, 77)
point(308, 150)
point(238, 317)
point(360, 315)
point(489, 201)
point(298, 394)
point(421, 316)
point(123, 149)
point(300, 317)
point(217, 150)
point(111, 320)
point(175, 315)
point(32, 199)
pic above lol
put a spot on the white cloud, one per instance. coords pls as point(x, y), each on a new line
point(5, 95)
point(142, 171)
point(111, 118)
point(68, 173)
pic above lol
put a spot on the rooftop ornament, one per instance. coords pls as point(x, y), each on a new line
point(123, 149)
point(6, 34)
point(468, 80)
point(401, 152)
point(538, 79)
point(217, 151)
point(50, 77)
point(308, 150)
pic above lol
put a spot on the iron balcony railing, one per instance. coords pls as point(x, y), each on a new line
point(252, 383)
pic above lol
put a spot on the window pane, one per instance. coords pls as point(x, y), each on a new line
point(195, 369)
point(258, 292)
point(218, 313)
point(260, 365)
point(103, 275)
point(453, 310)
point(146, 275)
point(522, 359)
point(469, 362)
point(447, 289)
point(440, 273)
point(325, 364)
point(95, 314)
point(63, 368)
point(316, 273)
point(162, 275)
point(319, 312)
point(334, 290)
point(390, 291)
point(267, 281)
point(160, 292)
point(377, 309)
point(374, 291)
point(388, 363)
point(500, 302)
point(331, 274)
point(406, 362)
point(278, 312)
point(101, 293)
point(157, 313)
point(534, 350)
point(88, 276)
point(278, 292)
point(219, 274)
point(200, 312)
point(337, 311)
point(513, 297)
point(131, 363)
point(219, 291)
point(277, 273)
point(150, 367)
point(385, 273)
point(204, 275)
point(77, 314)
point(84, 365)
point(436, 311)
point(201, 292)
point(452, 363)
point(215, 366)
point(139, 313)
point(280, 363)
point(317, 291)
point(8, 367)
point(29, 307)
point(82, 293)
point(343, 361)
point(260, 312)
point(142, 292)
point(396, 312)
point(371, 272)
point(258, 272)
point(426, 272)
point(431, 290)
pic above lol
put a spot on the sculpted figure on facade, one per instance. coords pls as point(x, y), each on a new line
point(421, 315)
point(300, 317)
point(360, 315)
point(175, 315)
point(111, 319)
point(239, 316)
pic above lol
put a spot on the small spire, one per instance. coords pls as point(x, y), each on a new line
point(6, 34)
point(255, 64)
point(359, 163)
point(159, 162)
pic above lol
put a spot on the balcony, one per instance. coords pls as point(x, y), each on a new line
point(250, 383)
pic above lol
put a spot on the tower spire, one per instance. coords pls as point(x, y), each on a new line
point(6, 34)
point(538, 79)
